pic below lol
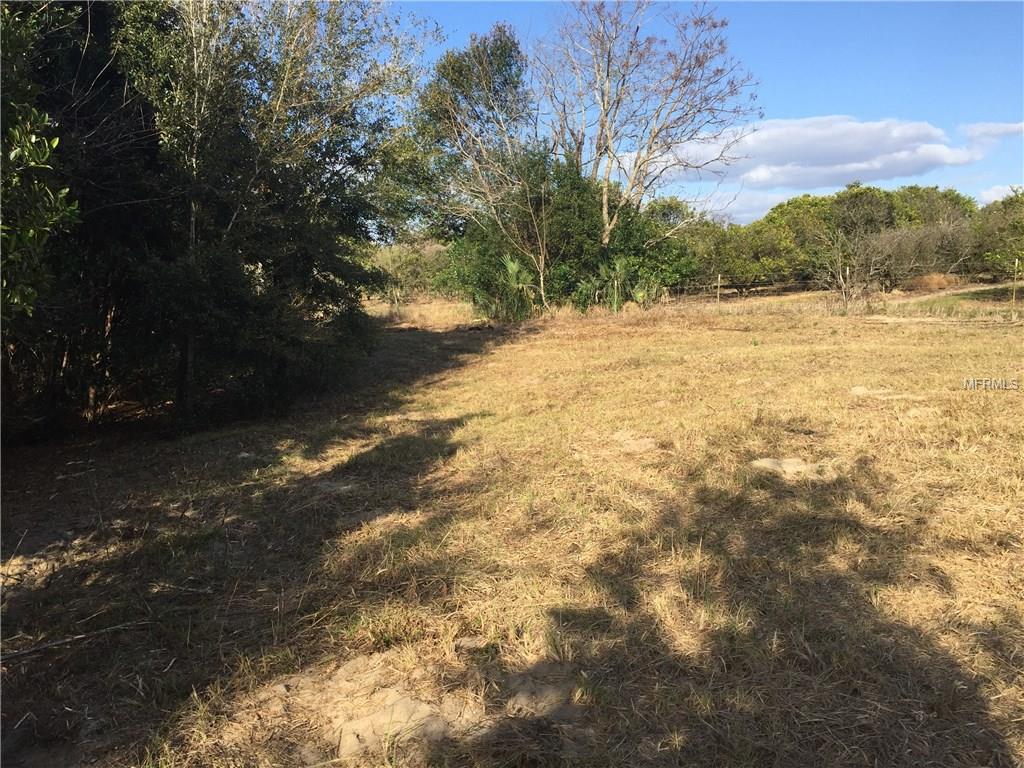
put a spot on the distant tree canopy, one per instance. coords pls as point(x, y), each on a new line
point(196, 195)
point(856, 240)
point(545, 170)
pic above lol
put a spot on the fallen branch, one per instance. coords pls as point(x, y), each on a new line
point(74, 638)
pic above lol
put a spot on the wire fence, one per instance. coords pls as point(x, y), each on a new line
point(727, 285)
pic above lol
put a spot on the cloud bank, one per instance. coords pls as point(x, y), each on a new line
point(992, 194)
point(780, 158)
point(993, 130)
point(833, 150)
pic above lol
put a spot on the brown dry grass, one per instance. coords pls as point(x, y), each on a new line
point(982, 303)
point(423, 313)
point(579, 494)
point(933, 281)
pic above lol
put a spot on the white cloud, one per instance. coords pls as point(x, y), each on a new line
point(781, 158)
point(990, 195)
point(978, 131)
point(833, 150)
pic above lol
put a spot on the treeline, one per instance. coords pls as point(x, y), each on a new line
point(196, 195)
point(548, 168)
point(854, 242)
point(191, 192)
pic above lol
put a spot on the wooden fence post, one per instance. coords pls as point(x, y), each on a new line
point(1013, 289)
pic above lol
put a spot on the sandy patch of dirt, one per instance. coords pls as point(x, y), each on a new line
point(793, 468)
point(377, 705)
point(630, 442)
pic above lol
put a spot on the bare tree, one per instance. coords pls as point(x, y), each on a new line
point(909, 251)
point(635, 109)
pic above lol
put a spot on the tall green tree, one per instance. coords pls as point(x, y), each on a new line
point(187, 61)
point(276, 116)
point(479, 122)
point(234, 165)
point(35, 206)
point(999, 235)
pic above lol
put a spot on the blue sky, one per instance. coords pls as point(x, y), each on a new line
point(885, 93)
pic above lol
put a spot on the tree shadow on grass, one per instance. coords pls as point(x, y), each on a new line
point(768, 648)
point(199, 554)
point(740, 623)
point(53, 493)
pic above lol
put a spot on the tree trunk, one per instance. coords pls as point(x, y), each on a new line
point(187, 344)
point(8, 389)
point(58, 362)
point(186, 376)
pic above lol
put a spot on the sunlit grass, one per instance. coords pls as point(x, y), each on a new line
point(579, 494)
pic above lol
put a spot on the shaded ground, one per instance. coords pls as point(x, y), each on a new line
point(184, 556)
point(557, 547)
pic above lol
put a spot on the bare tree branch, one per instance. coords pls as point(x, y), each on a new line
point(634, 109)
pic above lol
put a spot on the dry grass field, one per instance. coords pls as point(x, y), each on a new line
point(547, 545)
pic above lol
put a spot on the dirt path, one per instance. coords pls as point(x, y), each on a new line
point(915, 297)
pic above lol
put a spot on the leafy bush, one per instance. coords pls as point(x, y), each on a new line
point(857, 241)
point(646, 293)
point(412, 268)
point(999, 235)
point(481, 271)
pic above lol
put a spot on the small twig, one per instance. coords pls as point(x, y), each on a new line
point(72, 639)
point(332, 761)
point(15, 552)
point(193, 590)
